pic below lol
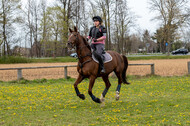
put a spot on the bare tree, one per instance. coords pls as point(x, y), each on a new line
point(84, 18)
point(29, 24)
point(8, 8)
point(106, 12)
point(43, 28)
point(123, 23)
point(171, 14)
point(135, 43)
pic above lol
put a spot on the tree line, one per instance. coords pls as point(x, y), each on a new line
point(34, 28)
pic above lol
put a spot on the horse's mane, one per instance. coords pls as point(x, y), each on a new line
point(86, 43)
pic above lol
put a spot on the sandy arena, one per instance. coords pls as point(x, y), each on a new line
point(173, 67)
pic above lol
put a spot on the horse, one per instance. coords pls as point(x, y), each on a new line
point(88, 68)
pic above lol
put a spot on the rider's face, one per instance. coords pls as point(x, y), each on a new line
point(96, 23)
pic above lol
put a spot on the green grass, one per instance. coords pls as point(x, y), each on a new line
point(159, 57)
point(55, 60)
point(13, 60)
point(147, 101)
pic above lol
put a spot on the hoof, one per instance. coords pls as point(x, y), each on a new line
point(102, 99)
point(102, 104)
point(97, 100)
point(82, 96)
point(117, 96)
point(127, 83)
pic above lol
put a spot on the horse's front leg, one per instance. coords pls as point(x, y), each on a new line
point(107, 83)
point(91, 84)
point(79, 79)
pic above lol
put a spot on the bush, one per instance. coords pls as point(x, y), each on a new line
point(12, 59)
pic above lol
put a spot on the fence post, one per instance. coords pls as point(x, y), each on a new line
point(188, 65)
point(65, 71)
point(19, 74)
point(152, 69)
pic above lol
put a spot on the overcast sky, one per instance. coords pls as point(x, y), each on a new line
point(141, 9)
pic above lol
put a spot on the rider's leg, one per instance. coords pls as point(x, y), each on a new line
point(99, 51)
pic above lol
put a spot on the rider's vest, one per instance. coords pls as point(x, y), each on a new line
point(96, 33)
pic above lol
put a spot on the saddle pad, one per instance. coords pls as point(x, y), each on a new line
point(107, 58)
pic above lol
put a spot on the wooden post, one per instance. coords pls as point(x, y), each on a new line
point(152, 69)
point(19, 74)
point(65, 71)
point(188, 66)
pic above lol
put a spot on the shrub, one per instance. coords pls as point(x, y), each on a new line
point(12, 59)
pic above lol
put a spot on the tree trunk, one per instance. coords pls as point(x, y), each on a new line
point(4, 28)
point(109, 32)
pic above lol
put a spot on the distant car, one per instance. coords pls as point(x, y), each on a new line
point(180, 51)
point(74, 55)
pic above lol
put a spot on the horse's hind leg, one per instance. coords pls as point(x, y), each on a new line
point(107, 83)
point(79, 79)
point(119, 76)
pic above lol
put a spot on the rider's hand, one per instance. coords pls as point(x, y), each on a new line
point(95, 40)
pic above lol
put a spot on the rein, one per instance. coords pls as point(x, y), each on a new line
point(82, 57)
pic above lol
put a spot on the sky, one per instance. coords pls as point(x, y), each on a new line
point(141, 9)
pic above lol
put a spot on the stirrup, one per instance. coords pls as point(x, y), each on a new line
point(103, 70)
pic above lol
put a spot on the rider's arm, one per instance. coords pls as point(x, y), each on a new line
point(90, 33)
point(104, 35)
point(101, 38)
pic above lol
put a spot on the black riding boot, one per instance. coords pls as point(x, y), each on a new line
point(101, 61)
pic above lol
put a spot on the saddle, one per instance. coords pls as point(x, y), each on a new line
point(107, 57)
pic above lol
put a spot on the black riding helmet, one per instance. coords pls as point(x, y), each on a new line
point(98, 18)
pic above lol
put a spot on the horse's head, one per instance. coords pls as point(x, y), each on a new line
point(73, 38)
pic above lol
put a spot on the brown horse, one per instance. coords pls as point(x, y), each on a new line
point(88, 68)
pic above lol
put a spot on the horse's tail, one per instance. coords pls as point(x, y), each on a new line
point(125, 69)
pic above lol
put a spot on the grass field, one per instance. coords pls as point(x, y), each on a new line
point(14, 60)
point(71, 59)
point(147, 101)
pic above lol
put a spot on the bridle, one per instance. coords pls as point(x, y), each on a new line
point(80, 52)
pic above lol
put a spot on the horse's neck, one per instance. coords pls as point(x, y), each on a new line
point(82, 49)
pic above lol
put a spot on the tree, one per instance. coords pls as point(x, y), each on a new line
point(43, 28)
point(105, 6)
point(123, 22)
point(8, 10)
point(147, 41)
point(34, 11)
point(159, 37)
point(172, 15)
point(56, 29)
point(29, 22)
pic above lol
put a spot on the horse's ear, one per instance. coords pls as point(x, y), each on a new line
point(75, 29)
point(70, 30)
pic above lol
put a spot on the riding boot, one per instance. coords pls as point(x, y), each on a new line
point(100, 58)
point(102, 64)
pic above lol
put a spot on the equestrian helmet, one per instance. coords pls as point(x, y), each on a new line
point(98, 18)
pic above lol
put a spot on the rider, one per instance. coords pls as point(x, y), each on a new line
point(98, 35)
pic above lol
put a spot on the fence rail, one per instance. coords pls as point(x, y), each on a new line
point(19, 69)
